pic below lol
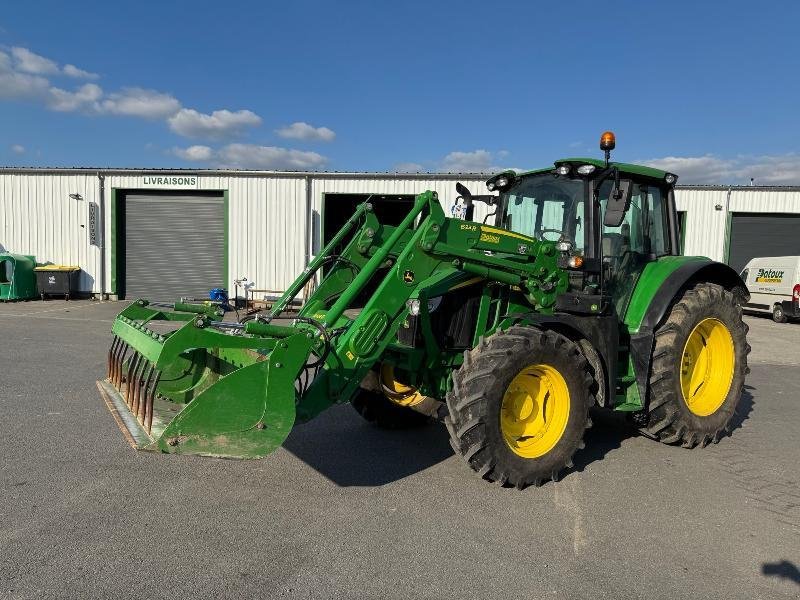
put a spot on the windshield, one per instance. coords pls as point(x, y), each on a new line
point(546, 207)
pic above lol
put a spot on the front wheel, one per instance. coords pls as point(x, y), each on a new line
point(698, 370)
point(519, 406)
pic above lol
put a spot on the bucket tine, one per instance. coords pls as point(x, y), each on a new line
point(150, 397)
point(136, 383)
point(141, 393)
point(120, 361)
point(132, 366)
point(137, 398)
point(114, 343)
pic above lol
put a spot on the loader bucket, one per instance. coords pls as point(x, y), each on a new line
point(179, 382)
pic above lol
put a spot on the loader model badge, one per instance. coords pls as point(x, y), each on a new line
point(408, 276)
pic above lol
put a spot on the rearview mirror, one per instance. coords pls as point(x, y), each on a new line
point(463, 191)
point(618, 203)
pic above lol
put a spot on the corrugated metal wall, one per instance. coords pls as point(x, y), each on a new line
point(707, 227)
point(37, 216)
point(267, 232)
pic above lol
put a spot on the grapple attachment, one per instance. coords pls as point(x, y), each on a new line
point(180, 381)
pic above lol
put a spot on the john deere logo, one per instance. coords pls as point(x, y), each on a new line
point(769, 276)
point(408, 276)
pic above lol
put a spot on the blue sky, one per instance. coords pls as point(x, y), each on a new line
point(709, 90)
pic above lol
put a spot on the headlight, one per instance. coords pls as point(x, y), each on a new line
point(413, 307)
point(491, 186)
point(575, 262)
point(586, 169)
point(564, 246)
point(670, 178)
point(562, 169)
point(501, 182)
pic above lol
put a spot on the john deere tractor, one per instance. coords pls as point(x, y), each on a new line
point(575, 296)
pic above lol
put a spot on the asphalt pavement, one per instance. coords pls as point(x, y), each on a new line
point(345, 510)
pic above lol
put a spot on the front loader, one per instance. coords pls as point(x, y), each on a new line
point(576, 296)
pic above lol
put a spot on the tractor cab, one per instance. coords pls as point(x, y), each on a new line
point(608, 219)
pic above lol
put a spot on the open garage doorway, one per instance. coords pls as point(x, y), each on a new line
point(337, 208)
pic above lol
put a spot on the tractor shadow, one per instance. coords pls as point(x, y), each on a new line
point(608, 431)
point(744, 410)
point(343, 447)
point(350, 452)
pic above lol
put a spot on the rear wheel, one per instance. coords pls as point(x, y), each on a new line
point(699, 366)
point(382, 412)
point(778, 315)
point(519, 406)
point(390, 409)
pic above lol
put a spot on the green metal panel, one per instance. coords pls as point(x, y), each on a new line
point(653, 275)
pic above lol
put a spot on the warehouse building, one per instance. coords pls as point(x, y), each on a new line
point(163, 234)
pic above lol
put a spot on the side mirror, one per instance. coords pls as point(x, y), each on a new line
point(463, 191)
point(618, 203)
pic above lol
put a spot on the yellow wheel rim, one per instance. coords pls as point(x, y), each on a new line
point(535, 411)
point(707, 367)
point(399, 393)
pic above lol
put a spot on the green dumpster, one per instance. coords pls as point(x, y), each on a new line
point(17, 279)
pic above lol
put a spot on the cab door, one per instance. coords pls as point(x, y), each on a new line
point(641, 238)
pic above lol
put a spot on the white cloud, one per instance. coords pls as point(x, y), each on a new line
point(140, 102)
point(477, 161)
point(304, 131)
point(84, 98)
point(29, 62)
point(25, 75)
point(709, 169)
point(194, 153)
point(20, 86)
point(250, 156)
point(218, 125)
point(408, 167)
point(73, 71)
point(18, 149)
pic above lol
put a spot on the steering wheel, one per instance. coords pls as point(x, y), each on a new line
point(561, 234)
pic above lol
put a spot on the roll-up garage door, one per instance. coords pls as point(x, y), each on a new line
point(174, 246)
point(753, 235)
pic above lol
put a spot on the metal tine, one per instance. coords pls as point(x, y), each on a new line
point(144, 384)
point(114, 343)
point(114, 356)
point(141, 409)
point(150, 398)
point(132, 365)
point(123, 350)
point(141, 365)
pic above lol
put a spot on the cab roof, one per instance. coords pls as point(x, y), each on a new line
point(624, 168)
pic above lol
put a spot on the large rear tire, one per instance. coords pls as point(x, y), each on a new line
point(699, 367)
point(519, 406)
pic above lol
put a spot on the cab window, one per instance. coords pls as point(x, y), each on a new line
point(547, 208)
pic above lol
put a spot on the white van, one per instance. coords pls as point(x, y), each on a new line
point(774, 286)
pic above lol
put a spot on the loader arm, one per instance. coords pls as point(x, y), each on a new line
point(438, 247)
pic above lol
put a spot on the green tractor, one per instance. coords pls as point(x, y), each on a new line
point(575, 297)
